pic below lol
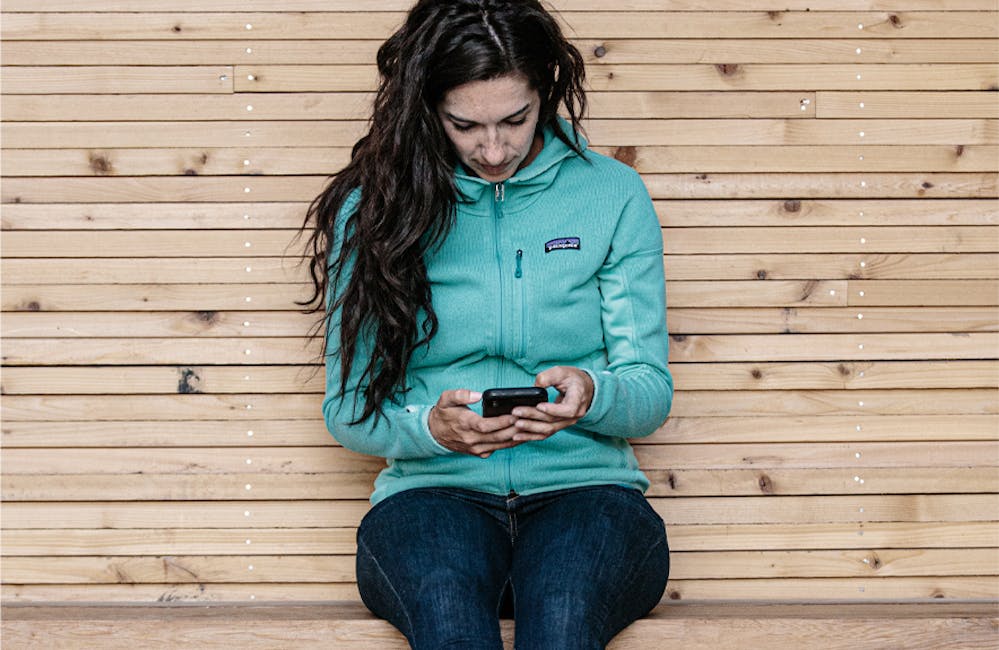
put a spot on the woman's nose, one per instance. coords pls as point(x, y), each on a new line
point(492, 150)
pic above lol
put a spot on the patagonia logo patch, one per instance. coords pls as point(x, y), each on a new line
point(562, 243)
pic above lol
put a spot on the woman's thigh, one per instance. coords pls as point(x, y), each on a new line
point(434, 564)
point(586, 564)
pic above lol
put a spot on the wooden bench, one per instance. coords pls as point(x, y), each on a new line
point(348, 626)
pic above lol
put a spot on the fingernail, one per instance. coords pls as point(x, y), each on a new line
point(518, 438)
point(474, 396)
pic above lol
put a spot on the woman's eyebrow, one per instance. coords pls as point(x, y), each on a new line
point(508, 117)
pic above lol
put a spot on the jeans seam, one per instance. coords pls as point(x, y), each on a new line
point(402, 603)
point(627, 588)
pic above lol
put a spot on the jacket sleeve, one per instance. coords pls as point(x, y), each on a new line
point(633, 394)
point(401, 432)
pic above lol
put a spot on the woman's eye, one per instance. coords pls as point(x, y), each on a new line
point(461, 127)
point(518, 122)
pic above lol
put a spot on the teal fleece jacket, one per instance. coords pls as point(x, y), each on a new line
point(562, 264)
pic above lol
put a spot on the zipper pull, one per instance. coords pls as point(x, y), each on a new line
point(500, 192)
point(520, 271)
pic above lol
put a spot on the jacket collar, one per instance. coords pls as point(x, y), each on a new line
point(476, 194)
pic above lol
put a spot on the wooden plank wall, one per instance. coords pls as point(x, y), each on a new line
point(826, 176)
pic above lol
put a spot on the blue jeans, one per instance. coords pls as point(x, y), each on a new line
point(577, 565)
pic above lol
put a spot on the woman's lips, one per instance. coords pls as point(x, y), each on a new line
point(494, 171)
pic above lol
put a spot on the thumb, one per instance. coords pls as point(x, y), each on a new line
point(459, 397)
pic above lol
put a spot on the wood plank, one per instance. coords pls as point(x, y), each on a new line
point(243, 350)
point(164, 216)
point(677, 241)
point(750, 158)
point(854, 456)
point(321, 568)
point(101, 6)
point(190, 352)
point(153, 243)
point(154, 297)
point(866, 427)
point(611, 51)
point(767, 626)
point(308, 160)
point(215, 297)
point(252, 78)
point(817, 212)
point(356, 106)
point(873, 104)
point(208, 324)
point(600, 132)
point(937, 588)
point(799, 320)
point(580, 24)
point(96, 80)
point(854, 508)
point(725, 240)
point(840, 266)
point(232, 270)
point(923, 292)
point(759, 50)
point(660, 186)
point(796, 347)
point(682, 321)
point(678, 213)
point(135, 380)
point(813, 376)
point(677, 429)
point(686, 404)
point(341, 541)
point(343, 484)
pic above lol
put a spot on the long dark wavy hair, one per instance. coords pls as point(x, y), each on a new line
point(404, 167)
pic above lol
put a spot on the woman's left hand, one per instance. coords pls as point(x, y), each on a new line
point(575, 389)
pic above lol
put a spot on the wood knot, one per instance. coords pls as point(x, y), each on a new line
point(761, 274)
point(959, 150)
point(671, 480)
point(773, 15)
point(843, 370)
point(600, 51)
point(701, 177)
point(895, 21)
point(190, 172)
point(673, 594)
point(757, 373)
point(177, 29)
point(766, 485)
point(101, 165)
point(210, 317)
point(727, 69)
point(627, 155)
point(33, 306)
point(610, 75)
point(190, 381)
point(792, 206)
point(204, 157)
point(679, 338)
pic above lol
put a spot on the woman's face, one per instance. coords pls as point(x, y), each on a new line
point(491, 124)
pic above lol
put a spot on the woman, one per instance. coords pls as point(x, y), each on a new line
point(473, 242)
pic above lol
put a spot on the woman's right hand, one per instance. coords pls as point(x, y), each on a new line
point(460, 429)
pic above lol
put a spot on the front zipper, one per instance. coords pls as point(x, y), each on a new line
point(522, 290)
point(499, 194)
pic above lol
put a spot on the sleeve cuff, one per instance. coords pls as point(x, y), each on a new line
point(429, 443)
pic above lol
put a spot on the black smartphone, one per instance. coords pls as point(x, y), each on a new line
point(500, 401)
